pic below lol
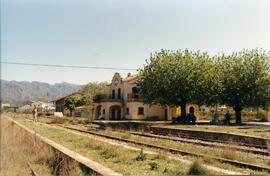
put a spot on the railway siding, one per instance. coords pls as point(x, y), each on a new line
point(203, 143)
point(176, 151)
point(245, 140)
point(212, 136)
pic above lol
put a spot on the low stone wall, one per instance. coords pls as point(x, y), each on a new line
point(213, 136)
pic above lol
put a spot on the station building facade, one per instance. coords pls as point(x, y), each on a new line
point(123, 102)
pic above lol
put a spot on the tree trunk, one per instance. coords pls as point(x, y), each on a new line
point(238, 115)
point(183, 109)
point(70, 113)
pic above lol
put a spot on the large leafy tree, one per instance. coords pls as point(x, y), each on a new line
point(74, 101)
point(246, 80)
point(91, 90)
point(179, 77)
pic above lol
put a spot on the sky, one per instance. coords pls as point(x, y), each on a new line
point(121, 33)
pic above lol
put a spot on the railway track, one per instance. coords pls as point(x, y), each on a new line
point(176, 151)
point(156, 130)
point(226, 142)
point(258, 150)
point(207, 144)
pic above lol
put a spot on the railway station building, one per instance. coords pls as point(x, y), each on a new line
point(123, 102)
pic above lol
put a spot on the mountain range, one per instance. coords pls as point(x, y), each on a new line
point(17, 92)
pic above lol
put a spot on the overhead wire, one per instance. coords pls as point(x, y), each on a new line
point(66, 66)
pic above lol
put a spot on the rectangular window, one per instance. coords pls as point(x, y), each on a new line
point(103, 111)
point(127, 111)
point(141, 111)
point(119, 94)
point(113, 94)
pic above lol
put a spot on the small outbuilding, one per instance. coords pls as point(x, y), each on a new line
point(60, 102)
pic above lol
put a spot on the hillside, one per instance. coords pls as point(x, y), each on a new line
point(16, 92)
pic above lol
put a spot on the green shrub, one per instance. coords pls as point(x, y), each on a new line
point(153, 166)
point(197, 169)
point(141, 156)
point(99, 97)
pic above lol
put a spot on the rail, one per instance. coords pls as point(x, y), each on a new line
point(177, 151)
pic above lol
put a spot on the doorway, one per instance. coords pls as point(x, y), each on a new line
point(115, 112)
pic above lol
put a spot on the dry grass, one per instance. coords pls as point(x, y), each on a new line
point(115, 157)
point(227, 153)
point(56, 120)
point(268, 145)
point(19, 147)
point(197, 169)
point(124, 160)
point(16, 150)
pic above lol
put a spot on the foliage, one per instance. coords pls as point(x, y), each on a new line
point(99, 96)
point(179, 77)
point(74, 101)
point(91, 90)
point(239, 80)
point(153, 166)
point(197, 169)
point(245, 80)
point(141, 156)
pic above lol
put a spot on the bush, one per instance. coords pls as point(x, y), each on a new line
point(197, 169)
point(141, 156)
point(153, 166)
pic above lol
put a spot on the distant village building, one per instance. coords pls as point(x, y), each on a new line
point(123, 101)
point(60, 102)
point(41, 106)
point(8, 107)
point(5, 105)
